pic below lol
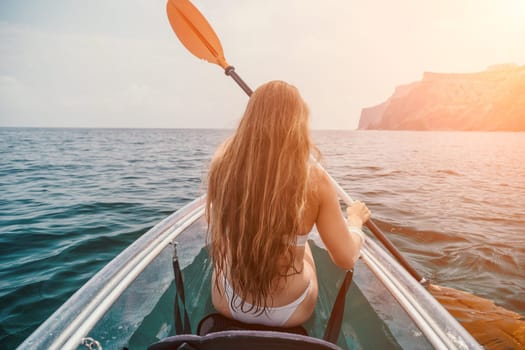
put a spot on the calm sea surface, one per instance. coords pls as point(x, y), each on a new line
point(72, 199)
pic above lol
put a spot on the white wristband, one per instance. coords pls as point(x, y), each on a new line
point(357, 231)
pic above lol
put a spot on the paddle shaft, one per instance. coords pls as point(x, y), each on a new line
point(347, 199)
point(231, 72)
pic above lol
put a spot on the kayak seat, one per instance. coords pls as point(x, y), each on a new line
point(216, 322)
point(243, 339)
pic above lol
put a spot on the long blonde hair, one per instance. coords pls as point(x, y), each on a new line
point(257, 191)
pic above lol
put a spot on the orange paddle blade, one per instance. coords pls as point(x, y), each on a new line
point(194, 31)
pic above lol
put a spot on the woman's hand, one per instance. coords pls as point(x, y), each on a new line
point(357, 214)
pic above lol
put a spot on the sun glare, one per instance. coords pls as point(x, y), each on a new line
point(515, 10)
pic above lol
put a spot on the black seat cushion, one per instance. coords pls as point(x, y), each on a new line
point(216, 322)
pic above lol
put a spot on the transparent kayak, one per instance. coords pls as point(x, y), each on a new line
point(129, 303)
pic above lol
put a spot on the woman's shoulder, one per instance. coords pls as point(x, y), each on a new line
point(318, 175)
point(319, 181)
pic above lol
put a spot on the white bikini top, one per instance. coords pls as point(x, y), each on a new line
point(300, 240)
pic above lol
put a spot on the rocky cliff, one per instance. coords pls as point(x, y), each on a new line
point(492, 100)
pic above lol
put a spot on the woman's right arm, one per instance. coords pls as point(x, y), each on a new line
point(344, 247)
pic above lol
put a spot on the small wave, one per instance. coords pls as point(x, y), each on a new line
point(390, 173)
point(368, 168)
point(448, 172)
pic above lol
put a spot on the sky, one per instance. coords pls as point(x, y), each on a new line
point(116, 63)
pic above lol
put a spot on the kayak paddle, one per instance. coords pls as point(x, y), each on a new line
point(196, 34)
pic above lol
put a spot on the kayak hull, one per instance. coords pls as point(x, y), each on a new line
point(130, 301)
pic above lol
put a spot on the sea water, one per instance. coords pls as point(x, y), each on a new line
point(72, 199)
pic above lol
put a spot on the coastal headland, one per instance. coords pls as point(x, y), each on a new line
point(491, 100)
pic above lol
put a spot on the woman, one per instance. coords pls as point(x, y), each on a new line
point(264, 196)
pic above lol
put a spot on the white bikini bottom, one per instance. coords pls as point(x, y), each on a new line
point(272, 316)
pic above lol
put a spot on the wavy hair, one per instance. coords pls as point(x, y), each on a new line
point(257, 190)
